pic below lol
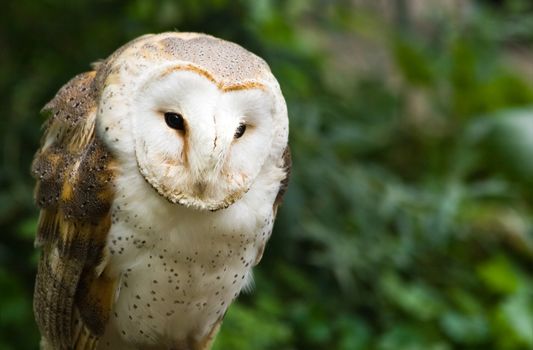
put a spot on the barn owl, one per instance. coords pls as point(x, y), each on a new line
point(158, 180)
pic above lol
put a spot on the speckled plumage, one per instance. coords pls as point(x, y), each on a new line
point(149, 233)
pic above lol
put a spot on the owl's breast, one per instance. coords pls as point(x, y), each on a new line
point(179, 269)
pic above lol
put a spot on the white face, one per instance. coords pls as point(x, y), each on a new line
point(196, 144)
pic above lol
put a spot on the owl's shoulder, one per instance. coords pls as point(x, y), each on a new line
point(73, 167)
point(74, 101)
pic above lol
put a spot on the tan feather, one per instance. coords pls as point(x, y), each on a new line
point(74, 172)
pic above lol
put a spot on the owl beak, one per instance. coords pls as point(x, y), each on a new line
point(199, 188)
point(206, 162)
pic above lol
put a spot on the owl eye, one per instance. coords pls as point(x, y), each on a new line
point(240, 131)
point(175, 121)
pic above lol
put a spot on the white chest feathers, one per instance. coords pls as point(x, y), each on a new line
point(179, 269)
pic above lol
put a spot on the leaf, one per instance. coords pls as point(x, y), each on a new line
point(515, 318)
point(465, 329)
point(417, 299)
point(510, 145)
point(499, 275)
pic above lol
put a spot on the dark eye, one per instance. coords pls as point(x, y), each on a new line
point(175, 121)
point(240, 131)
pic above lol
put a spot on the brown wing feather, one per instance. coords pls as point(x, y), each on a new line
point(74, 173)
point(287, 165)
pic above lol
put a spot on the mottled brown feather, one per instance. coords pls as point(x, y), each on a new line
point(287, 165)
point(74, 173)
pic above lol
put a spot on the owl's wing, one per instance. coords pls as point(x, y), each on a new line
point(74, 191)
point(287, 164)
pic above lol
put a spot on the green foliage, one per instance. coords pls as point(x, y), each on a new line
point(408, 223)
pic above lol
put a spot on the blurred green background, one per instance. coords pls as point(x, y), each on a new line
point(408, 223)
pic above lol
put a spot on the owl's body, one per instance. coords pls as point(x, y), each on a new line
point(159, 178)
point(180, 269)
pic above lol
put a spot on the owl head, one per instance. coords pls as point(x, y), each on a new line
point(199, 117)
